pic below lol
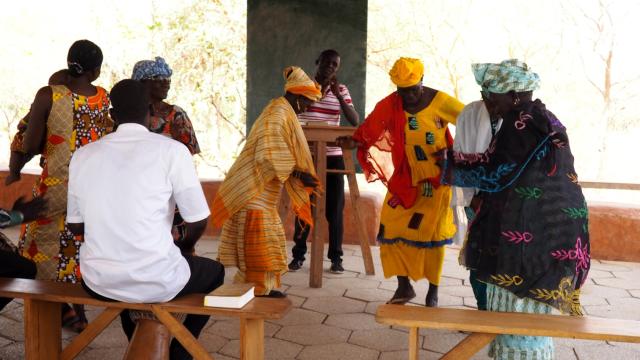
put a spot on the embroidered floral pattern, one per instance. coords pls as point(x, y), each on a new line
point(543, 152)
point(567, 299)
point(580, 254)
point(576, 213)
point(479, 177)
point(521, 123)
point(517, 237)
point(506, 280)
point(529, 192)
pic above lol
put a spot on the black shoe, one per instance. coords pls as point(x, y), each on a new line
point(274, 294)
point(336, 267)
point(295, 264)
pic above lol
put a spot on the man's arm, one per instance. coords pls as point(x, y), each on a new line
point(193, 232)
point(36, 129)
point(189, 197)
point(75, 220)
point(347, 109)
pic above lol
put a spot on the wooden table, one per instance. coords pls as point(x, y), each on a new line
point(318, 137)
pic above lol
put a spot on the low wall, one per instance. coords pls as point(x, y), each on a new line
point(614, 228)
point(369, 200)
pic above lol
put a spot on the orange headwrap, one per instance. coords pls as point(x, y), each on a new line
point(299, 83)
point(406, 72)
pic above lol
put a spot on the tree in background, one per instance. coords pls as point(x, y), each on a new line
point(205, 44)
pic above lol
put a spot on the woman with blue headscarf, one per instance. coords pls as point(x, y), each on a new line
point(529, 241)
point(164, 118)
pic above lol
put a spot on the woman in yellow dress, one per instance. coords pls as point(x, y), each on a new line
point(416, 222)
point(276, 154)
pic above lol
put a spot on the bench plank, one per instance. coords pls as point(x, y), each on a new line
point(43, 325)
point(588, 328)
point(45, 290)
point(258, 308)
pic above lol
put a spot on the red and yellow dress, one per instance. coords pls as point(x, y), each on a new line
point(416, 220)
point(74, 121)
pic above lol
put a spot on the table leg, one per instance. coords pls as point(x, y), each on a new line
point(354, 192)
point(319, 220)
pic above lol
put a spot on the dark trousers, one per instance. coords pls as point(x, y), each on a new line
point(479, 290)
point(334, 195)
point(13, 265)
point(206, 275)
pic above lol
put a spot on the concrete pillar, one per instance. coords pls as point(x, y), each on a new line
point(282, 33)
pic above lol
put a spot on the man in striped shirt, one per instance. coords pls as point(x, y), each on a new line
point(335, 100)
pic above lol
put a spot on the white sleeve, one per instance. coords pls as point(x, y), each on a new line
point(74, 215)
point(187, 190)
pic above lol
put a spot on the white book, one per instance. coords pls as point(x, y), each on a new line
point(233, 296)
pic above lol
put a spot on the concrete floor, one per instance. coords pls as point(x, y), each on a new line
point(337, 321)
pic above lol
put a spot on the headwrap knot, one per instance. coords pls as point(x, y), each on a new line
point(407, 72)
point(151, 69)
point(298, 82)
point(509, 75)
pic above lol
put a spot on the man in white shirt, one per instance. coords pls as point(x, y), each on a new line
point(123, 191)
point(475, 129)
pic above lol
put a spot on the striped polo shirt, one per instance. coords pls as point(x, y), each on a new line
point(327, 110)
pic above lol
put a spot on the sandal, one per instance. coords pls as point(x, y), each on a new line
point(72, 320)
point(69, 316)
point(274, 294)
point(401, 299)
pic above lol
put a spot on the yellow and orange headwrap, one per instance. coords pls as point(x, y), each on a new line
point(299, 83)
point(406, 72)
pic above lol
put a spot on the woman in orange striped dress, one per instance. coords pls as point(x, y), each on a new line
point(276, 154)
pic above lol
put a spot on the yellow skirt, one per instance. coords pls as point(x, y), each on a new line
point(412, 240)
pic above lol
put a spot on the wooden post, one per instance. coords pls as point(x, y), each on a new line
point(414, 343)
point(251, 339)
point(319, 221)
point(42, 330)
point(355, 197)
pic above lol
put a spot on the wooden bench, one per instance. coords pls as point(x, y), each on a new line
point(484, 326)
point(42, 320)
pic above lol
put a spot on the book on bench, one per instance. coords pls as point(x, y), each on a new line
point(233, 296)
